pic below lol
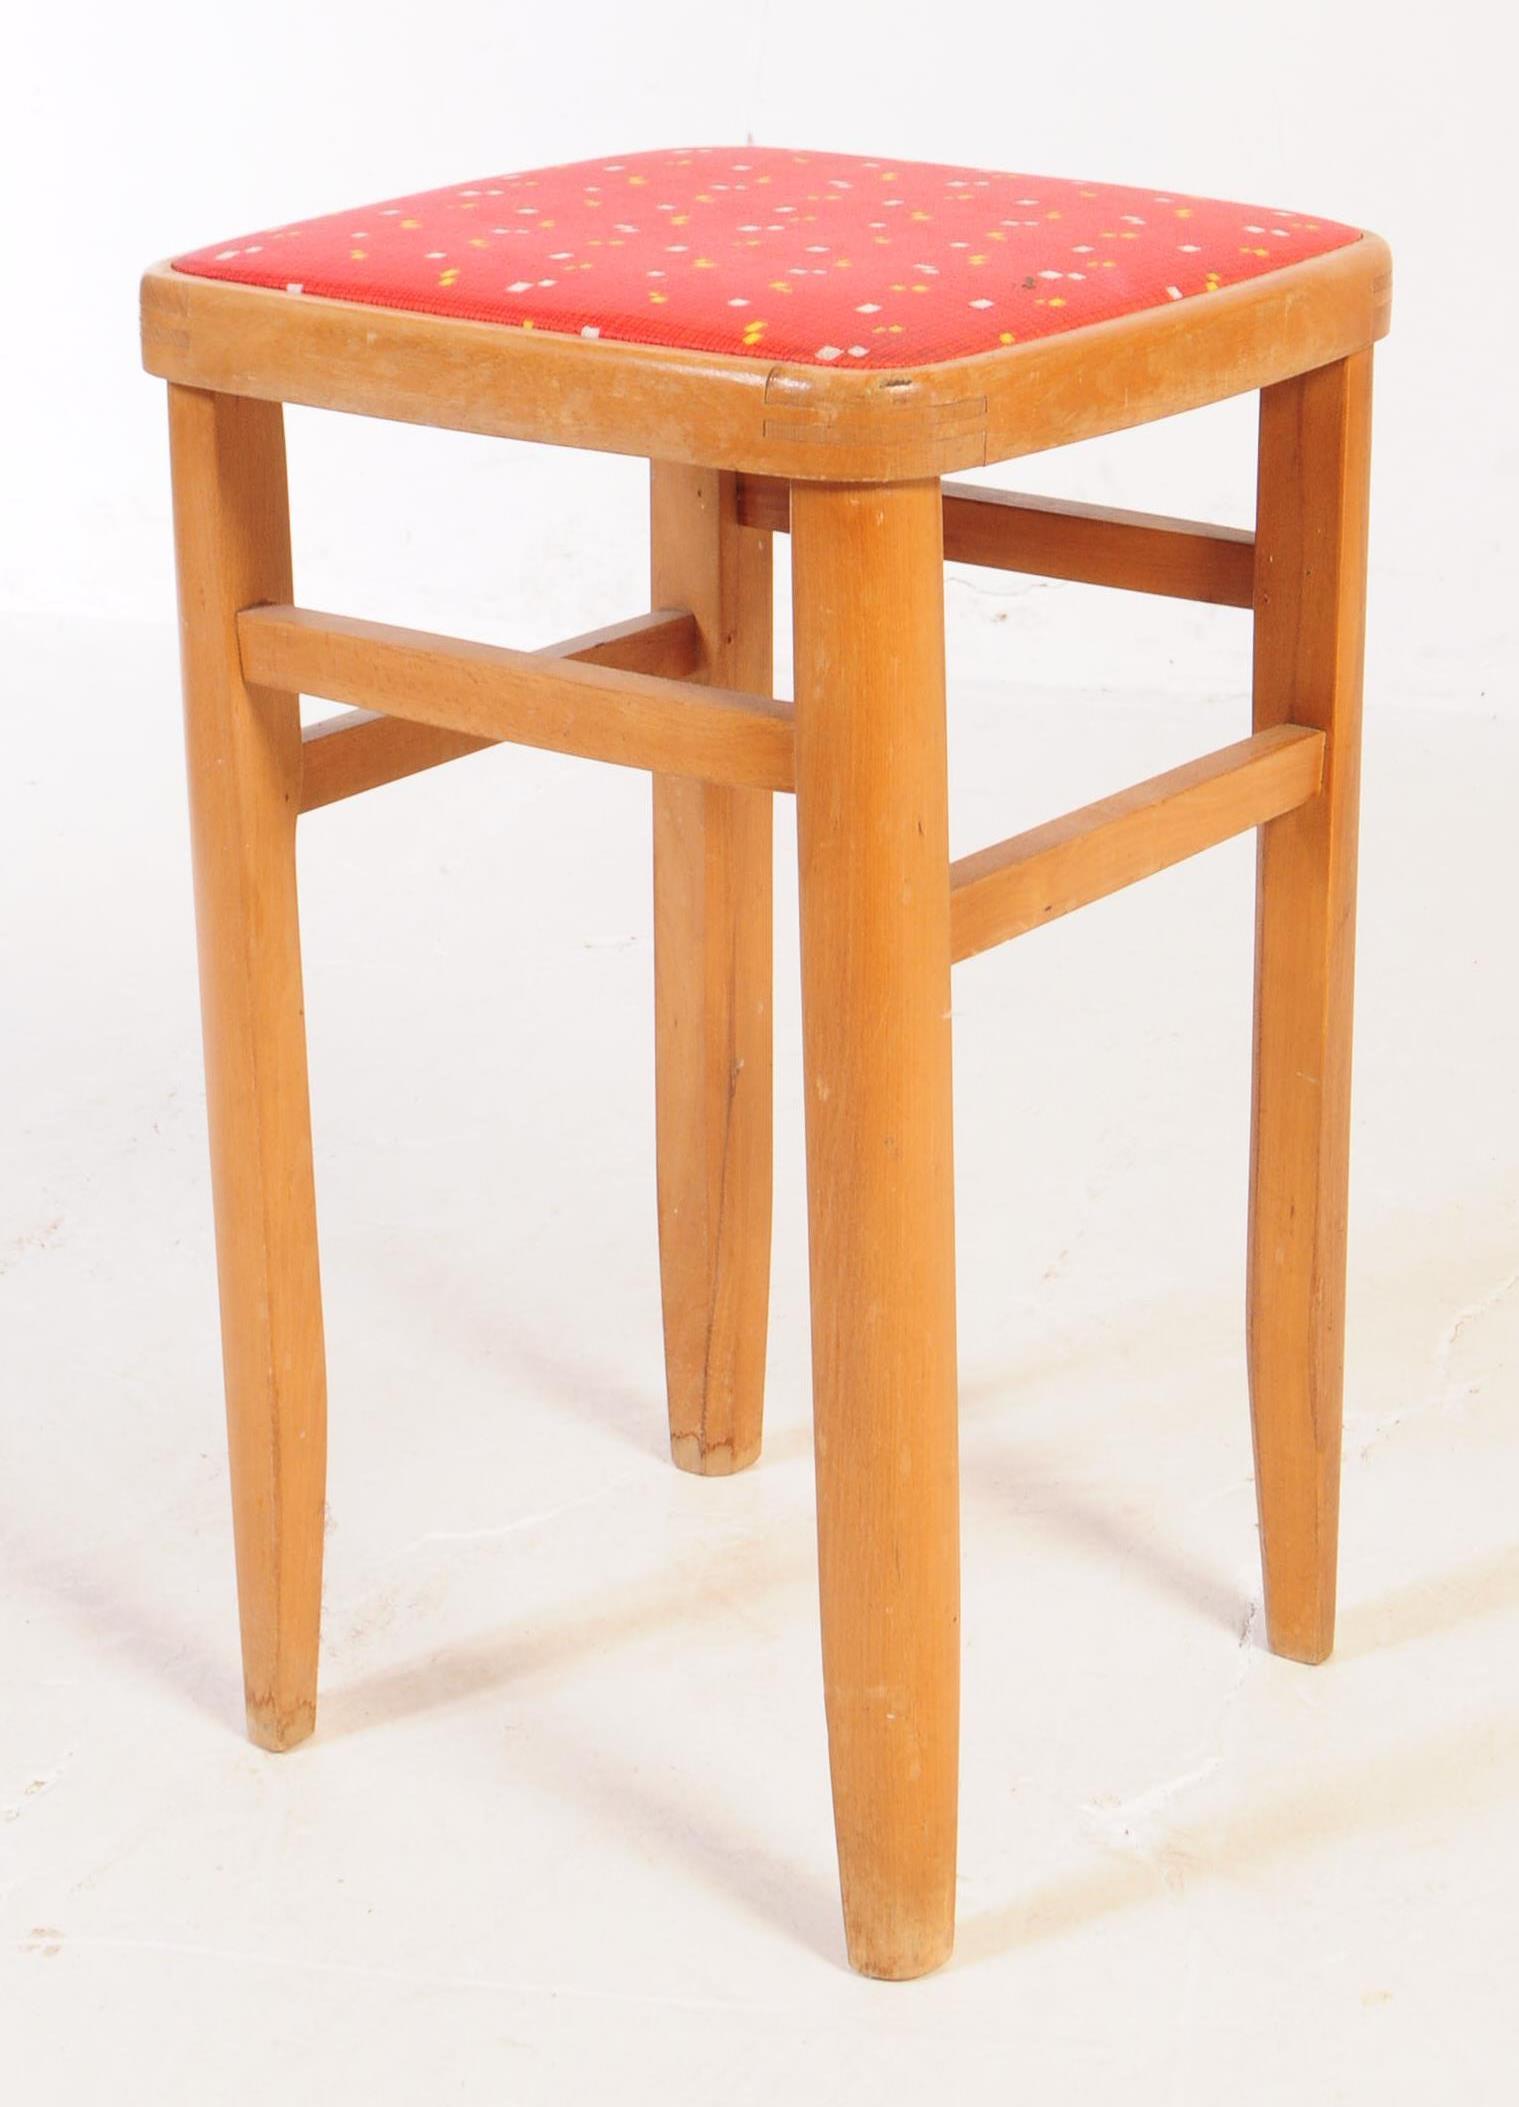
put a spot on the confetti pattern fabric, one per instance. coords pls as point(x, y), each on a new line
point(804, 258)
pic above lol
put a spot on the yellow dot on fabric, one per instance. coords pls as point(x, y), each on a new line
point(1007, 337)
point(976, 260)
point(920, 215)
point(639, 182)
point(702, 263)
point(1212, 282)
point(1184, 212)
point(1056, 214)
point(1057, 301)
point(659, 299)
point(447, 277)
point(680, 219)
point(357, 255)
point(411, 223)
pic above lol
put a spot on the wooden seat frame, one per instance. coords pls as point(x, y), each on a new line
point(850, 465)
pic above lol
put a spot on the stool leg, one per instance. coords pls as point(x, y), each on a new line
point(1309, 633)
point(874, 866)
point(244, 755)
point(712, 974)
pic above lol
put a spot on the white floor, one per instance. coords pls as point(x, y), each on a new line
point(563, 1834)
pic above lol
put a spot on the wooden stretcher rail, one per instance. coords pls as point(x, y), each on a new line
point(1016, 885)
point(361, 749)
point(485, 691)
point(1142, 552)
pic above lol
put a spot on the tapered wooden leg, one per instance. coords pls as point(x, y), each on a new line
point(244, 753)
point(712, 975)
point(874, 866)
point(1309, 633)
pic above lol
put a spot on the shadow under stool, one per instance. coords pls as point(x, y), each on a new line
point(802, 343)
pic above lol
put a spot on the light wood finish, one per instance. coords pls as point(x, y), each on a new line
point(1142, 552)
point(712, 975)
point(244, 752)
point(1016, 885)
point(1315, 444)
point(874, 865)
point(361, 749)
point(489, 691)
point(850, 461)
point(725, 412)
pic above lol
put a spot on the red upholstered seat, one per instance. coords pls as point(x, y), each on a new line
point(804, 258)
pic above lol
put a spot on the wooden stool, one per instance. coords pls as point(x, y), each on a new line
point(799, 342)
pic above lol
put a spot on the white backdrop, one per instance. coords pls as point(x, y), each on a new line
point(134, 132)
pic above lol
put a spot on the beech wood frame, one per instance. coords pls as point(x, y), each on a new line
point(850, 465)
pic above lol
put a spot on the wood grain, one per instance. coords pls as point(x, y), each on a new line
point(1141, 552)
point(873, 852)
point(712, 975)
point(361, 749)
point(243, 744)
point(1315, 443)
point(486, 690)
point(1017, 885)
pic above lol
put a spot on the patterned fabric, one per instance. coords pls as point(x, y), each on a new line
point(809, 259)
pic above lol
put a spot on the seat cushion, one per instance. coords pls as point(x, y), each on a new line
point(807, 258)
